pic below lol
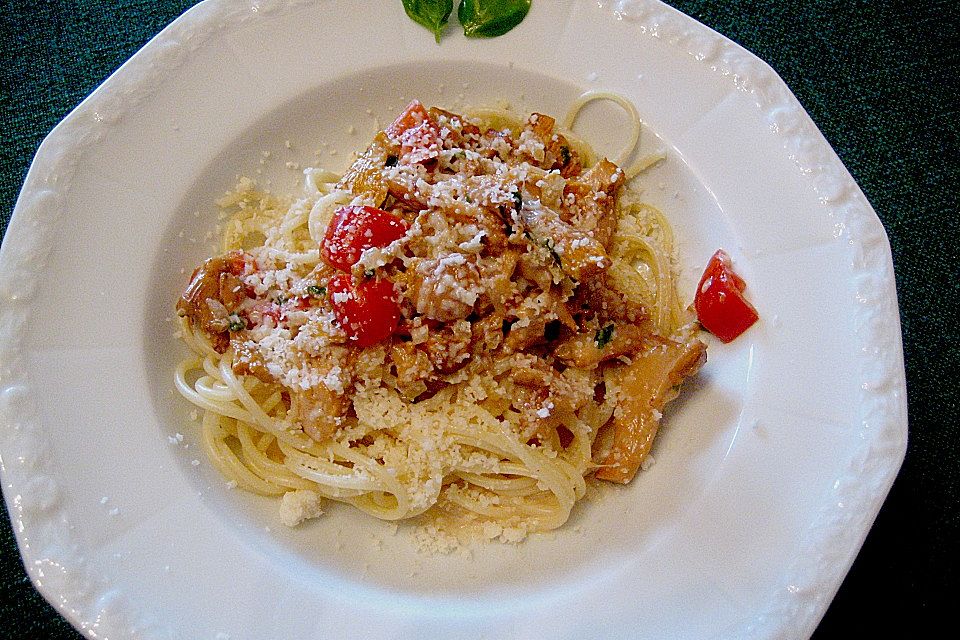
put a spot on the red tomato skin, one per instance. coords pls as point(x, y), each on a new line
point(721, 307)
point(237, 261)
point(369, 313)
point(413, 115)
point(417, 133)
point(355, 229)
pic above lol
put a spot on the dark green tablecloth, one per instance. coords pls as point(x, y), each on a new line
point(880, 80)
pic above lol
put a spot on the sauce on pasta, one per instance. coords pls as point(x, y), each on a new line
point(474, 319)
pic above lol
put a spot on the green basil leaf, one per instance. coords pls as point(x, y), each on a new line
point(491, 18)
point(433, 14)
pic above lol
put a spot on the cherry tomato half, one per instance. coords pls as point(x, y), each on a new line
point(721, 307)
point(368, 313)
point(356, 229)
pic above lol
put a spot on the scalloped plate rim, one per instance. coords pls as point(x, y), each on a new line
point(766, 624)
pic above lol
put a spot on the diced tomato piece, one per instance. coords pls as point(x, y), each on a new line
point(721, 307)
point(236, 262)
point(356, 229)
point(368, 313)
point(417, 133)
point(412, 116)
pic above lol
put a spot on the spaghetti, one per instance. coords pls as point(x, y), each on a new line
point(472, 320)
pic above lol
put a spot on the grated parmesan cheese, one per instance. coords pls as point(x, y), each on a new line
point(297, 506)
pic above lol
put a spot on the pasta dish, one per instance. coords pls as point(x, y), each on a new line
point(475, 319)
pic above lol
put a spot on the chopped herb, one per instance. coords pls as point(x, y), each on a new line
point(281, 298)
point(565, 154)
point(551, 247)
point(237, 323)
point(317, 291)
point(603, 336)
point(432, 14)
point(468, 199)
point(392, 161)
point(547, 244)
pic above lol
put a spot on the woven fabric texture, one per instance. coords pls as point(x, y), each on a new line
point(880, 80)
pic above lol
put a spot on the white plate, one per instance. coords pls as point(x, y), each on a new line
point(774, 463)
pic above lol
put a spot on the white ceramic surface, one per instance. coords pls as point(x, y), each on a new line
point(769, 474)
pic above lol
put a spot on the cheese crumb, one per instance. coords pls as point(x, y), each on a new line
point(297, 506)
point(431, 539)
